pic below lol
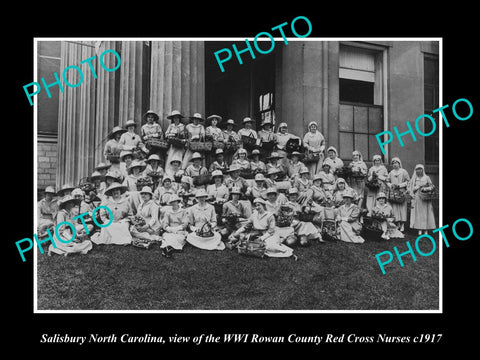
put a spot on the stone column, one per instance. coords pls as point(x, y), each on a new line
point(305, 86)
point(131, 82)
point(177, 78)
point(76, 117)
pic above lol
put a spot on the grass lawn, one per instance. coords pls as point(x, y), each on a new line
point(327, 276)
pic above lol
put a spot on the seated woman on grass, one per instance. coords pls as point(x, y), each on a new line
point(118, 231)
point(202, 221)
point(348, 216)
point(80, 242)
point(262, 225)
point(384, 214)
point(174, 222)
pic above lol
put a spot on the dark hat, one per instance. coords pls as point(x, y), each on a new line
point(116, 129)
point(137, 163)
point(114, 186)
point(274, 155)
point(102, 166)
point(67, 199)
point(64, 188)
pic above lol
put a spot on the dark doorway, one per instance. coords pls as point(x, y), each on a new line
point(242, 90)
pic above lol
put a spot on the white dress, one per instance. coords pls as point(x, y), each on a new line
point(197, 216)
point(65, 232)
point(118, 231)
point(174, 222)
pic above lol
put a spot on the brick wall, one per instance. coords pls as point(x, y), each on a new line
point(46, 163)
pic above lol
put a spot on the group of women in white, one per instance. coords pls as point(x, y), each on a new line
point(161, 188)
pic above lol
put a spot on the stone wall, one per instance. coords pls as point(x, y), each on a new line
point(46, 163)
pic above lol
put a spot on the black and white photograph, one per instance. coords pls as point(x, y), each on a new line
point(254, 186)
point(298, 179)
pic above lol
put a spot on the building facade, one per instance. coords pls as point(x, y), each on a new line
point(352, 89)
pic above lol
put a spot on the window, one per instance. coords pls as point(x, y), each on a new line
point(266, 109)
point(431, 102)
point(361, 100)
point(360, 73)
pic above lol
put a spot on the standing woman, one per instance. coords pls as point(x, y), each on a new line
point(118, 231)
point(195, 132)
point(130, 140)
point(379, 172)
point(357, 179)
point(314, 142)
point(230, 138)
point(282, 138)
point(422, 217)
point(176, 129)
point(267, 140)
point(203, 220)
point(248, 132)
point(213, 133)
point(113, 148)
point(79, 243)
point(151, 129)
point(398, 180)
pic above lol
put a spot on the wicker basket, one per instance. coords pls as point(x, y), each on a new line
point(344, 172)
point(157, 144)
point(396, 196)
point(202, 180)
point(267, 145)
point(113, 158)
point(177, 142)
point(293, 145)
point(373, 184)
point(218, 144)
point(200, 146)
point(311, 157)
point(249, 141)
point(428, 195)
point(306, 217)
point(230, 147)
point(139, 154)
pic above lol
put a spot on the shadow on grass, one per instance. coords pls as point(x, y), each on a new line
point(328, 276)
